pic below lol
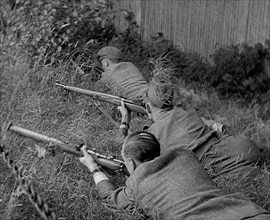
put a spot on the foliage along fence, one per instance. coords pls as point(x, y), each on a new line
point(200, 26)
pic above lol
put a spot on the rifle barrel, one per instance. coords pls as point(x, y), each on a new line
point(112, 99)
point(45, 139)
point(86, 92)
point(100, 159)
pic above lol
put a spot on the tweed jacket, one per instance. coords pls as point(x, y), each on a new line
point(181, 128)
point(126, 79)
point(175, 186)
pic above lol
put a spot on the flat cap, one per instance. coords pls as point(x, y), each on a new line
point(160, 96)
point(109, 52)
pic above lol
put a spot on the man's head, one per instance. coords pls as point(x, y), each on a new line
point(139, 147)
point(158, 97)
point(109, 54)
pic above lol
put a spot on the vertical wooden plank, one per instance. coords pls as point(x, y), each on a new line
point(179, 35)
point(189, 27)
point(198, 25)
point(148, 14)
point(196, 16)
point(218, 26)
point(185, 28)
point(195, 20)
point(264, 33)
point(162, 17)
point(252, 22)
point(242, 20)
point(225, 31)
point(171, 18)
point(266, 21)
point(234, 21)
point(170, 5)
point(219, 8)
point(142, 19)
point(267, 33)
point(137, 8)
point(259, 30)
point(230, 22)
point(209, 20)
point(166, 21)
point(174, 23)
point(202, 37)
point(156, 21)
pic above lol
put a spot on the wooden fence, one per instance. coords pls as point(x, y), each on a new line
point(200, 25)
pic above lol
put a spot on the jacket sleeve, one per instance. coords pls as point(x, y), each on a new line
point(121, 198)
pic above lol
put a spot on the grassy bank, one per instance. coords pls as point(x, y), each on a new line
point(30, 99)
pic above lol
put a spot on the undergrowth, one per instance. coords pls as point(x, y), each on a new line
point(37, 104)
point(30, 99)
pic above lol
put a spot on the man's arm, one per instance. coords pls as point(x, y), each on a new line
point(121, 198)
point(125, 119)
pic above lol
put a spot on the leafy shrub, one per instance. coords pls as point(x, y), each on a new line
point(239, 70)
point(55, 29)
point(191, 68)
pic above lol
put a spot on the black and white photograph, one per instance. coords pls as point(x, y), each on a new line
point(134, 109)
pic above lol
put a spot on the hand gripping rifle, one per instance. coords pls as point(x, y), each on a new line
point(110, 164)
point(112, 99)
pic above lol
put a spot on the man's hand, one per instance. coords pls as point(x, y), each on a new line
point(88, 160)
point(124, 112)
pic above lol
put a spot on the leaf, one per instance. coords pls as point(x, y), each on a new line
point(41, 151)
point(246, 82)
point(227, 77)
point(14, 28)
point(75, 13)
point(59, 48)
point(48, 7)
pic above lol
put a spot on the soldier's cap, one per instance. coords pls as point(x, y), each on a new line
point(161, 96)
point(109, 53)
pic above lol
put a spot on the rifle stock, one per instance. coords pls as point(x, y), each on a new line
point(108, 162)
point(112, 99)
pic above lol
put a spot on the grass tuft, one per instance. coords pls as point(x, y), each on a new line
point(30, 99)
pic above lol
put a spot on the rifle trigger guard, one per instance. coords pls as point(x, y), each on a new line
point(51, 149)
point(78, 147)
point(94, 96)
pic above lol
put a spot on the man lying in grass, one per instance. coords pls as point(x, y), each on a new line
point(179, 128)
point(126, 79)
point(170, 186)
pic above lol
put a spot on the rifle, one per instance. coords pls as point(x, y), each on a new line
point(112, 99)
point(108, 163)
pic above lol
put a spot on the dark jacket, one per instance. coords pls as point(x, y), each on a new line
point(179, 128)
point(127, 81)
